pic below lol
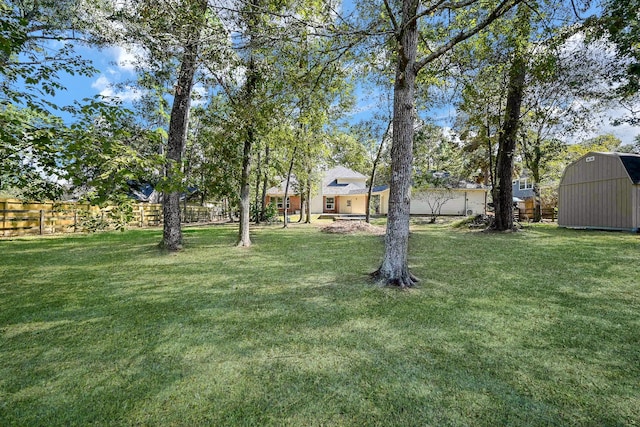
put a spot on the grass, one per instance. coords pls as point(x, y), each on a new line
point(527, 329)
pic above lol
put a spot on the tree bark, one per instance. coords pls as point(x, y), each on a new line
point(244, 238)
point(251, 85)
point(394, 269)
point(503, 192)
point(256, 211)
point(172, 232)
point(302, 204)
point(308, 198)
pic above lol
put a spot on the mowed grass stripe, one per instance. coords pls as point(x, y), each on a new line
point(531, 328)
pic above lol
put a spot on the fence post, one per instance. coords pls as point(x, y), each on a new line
point(141, 216)
point(41, 222)
point(4, 218)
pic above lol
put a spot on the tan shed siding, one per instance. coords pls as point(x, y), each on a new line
point(603, 167)
point(598, 193)
point(636, 206)
point(597, 204)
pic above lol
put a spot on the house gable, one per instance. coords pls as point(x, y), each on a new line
point(343, 181)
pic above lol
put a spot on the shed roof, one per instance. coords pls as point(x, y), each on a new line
point(631, 163)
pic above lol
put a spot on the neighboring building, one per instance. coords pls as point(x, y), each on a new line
point(601, 190)
point(523, 195)
point(275, 195)
point(343, 191)
point(523, 188)
point(467, 199)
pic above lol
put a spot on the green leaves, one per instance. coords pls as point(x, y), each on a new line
point(30, 146)
point(107, 150)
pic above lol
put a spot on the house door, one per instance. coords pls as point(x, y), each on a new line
point(348, 208)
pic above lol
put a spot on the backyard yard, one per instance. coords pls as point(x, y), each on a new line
point(540, 327)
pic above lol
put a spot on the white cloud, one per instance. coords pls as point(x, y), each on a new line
point(199, 95)
point(125, 59)
point(101, 83)
point(625, 131)
point(107, 89)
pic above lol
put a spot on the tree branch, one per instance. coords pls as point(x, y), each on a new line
point(500, 10)
point(394, 22)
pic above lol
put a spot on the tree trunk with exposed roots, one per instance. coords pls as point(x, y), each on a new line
point(394, 269)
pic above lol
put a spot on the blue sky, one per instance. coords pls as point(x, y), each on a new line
point(115, 66)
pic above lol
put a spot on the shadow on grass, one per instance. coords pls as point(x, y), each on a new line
point(289, 333)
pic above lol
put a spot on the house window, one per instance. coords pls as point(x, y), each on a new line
point(330, 203)
point(525, 184)
point(278, 202)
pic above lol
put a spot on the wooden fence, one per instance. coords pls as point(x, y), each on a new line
point(20, 218)
point(524, 215)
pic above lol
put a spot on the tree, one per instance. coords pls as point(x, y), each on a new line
point(31, 146)
point(436, 197)
point(557, 81)
point(472, 18)
point(104, 154)
point(37, 46)
point(502, 191)
point(195, 11)
point(620, 25)
point(374, 169)
point(170, 34)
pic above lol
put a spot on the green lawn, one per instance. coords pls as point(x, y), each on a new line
point(534, 328)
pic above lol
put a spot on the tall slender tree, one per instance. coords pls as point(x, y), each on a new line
point(178, 123)
point(507, 140)
point(464, 20)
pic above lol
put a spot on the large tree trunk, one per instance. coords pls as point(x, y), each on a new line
point(302, 204)
point(503, 192)
point(256, 211)
point(394, 269)
point(172, 234)
point(307, 200)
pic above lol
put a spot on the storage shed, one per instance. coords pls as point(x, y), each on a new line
point(602, 191)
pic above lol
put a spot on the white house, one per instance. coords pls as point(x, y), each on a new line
point(468, 199)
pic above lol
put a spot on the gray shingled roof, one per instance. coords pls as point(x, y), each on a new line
point(331, 187)
point(340, 172)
